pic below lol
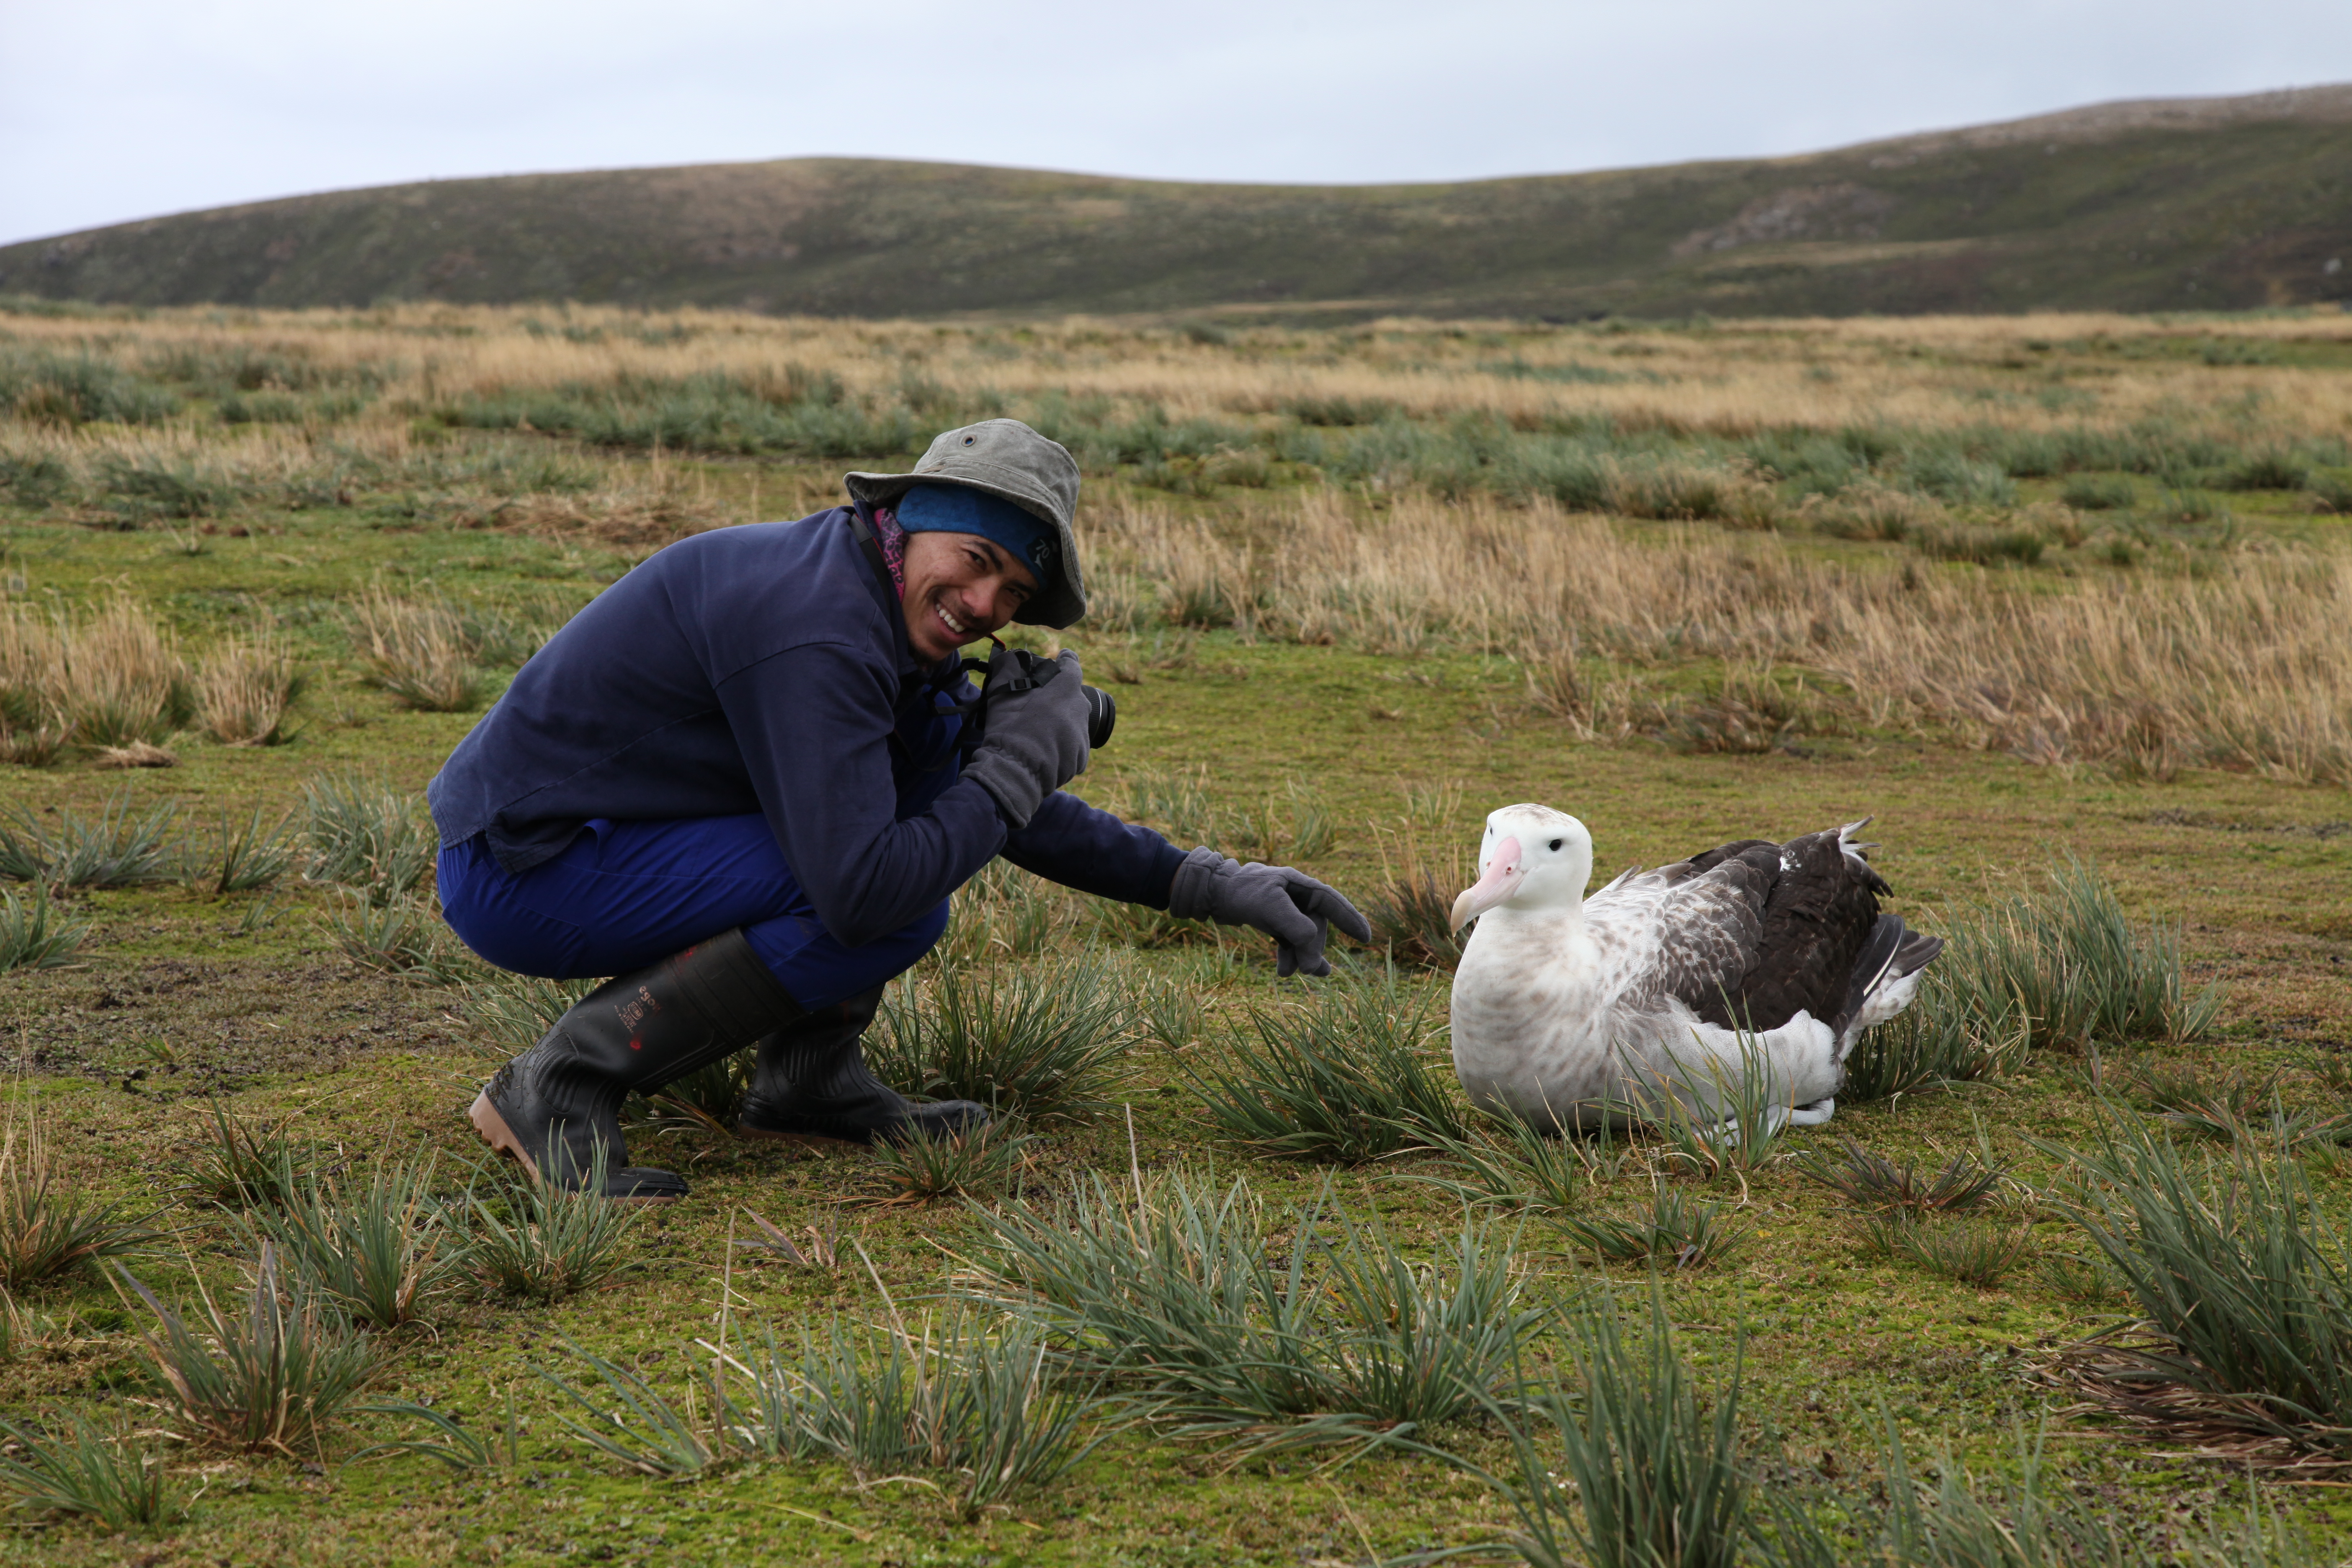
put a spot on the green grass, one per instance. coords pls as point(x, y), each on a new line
point(186, 993)
point(1344, 1076)
point(83, 1472)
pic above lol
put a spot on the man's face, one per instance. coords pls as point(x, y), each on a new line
point(960, 588)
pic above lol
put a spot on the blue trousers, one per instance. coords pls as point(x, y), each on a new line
point(627, 894)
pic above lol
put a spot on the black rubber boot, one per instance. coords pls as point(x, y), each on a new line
point(552, 1106)
point(813, 1083)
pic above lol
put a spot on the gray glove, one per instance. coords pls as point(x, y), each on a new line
point(1288, 905)
point(1033, 736)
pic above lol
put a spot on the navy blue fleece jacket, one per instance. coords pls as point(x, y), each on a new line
point(766, 668)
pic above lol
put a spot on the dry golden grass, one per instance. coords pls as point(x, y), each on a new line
point(642, 517)
point(121, 679)
point(2236, 667)
point(244, 689)
point(2244, 666)
point(416, 650)
point(2248, 668)
point(32, 715)
point(114, 683)
point(1736, 379)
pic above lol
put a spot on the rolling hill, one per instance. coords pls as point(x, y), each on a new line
point(2193, 203)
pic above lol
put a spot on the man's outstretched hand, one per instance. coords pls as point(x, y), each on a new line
point(1286, 904)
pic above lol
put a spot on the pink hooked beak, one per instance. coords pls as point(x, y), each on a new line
point(1496, 883)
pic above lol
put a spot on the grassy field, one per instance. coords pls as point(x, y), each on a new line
point(2039, 593)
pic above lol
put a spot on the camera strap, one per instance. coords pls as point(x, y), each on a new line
point(863, 531)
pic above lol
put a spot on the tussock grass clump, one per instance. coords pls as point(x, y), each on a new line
point(378, 1249)
point(2021, 544)
point(33, 934)
point(1867, 510)
point(2276, 470)
point(1179, 1292)
point(1970, 1252)
point(506, 1014)
point(80, 1472)
point(1674, 1229)
point(48, 386)
point(1006, 912)
point(1745, 711)
point(244, 689)
point(243, 856)
point(2099, 492)
point(366, 835)
point(952, 1398)
point(707, 1100)
point(542, 1243)
point(1412, 908)
point(462, 1448)
point(919, 1167)
point(1346, 1077)
point(635, 1423)
point(2241, 1283)
point(115, 849)
point(1873, 1183)
point(242, 1166)
point(1280, 829)
point(403, 937)
point(2229, 1106)
point(417, 651)
point(1515, 1166)
point(1045, 1040)
point(2330, 493)
point(2020, 1525)
point(634, 516)
point(120, 681)
point(1653, 1477)
point(1411, 913)
point(2063, 967)
point(32, 696)
point(48, 1227)
point(276, 1377)
point(1559, 685)
point(1934, 1041)
point(2068, 966)
point(154, 482)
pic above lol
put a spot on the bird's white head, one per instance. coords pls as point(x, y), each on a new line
point(1532, 858)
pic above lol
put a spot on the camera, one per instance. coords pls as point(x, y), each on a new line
point(1102, 711)
point(1102, 717)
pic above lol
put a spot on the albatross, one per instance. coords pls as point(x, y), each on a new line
point(1752, 957)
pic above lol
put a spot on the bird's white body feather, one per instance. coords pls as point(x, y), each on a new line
point(1565, 1007)
point(1556, 1016)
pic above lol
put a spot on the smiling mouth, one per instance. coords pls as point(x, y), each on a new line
point(961, 632)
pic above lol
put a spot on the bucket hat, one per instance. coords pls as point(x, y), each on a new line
point(1005, 458)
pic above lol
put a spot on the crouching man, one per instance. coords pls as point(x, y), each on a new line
point(745, 779)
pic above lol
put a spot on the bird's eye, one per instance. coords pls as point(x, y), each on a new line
point(1557, 842)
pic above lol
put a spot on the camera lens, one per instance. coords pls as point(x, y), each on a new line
point(1102, 717)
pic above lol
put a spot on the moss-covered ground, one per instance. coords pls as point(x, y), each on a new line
point(179, 997)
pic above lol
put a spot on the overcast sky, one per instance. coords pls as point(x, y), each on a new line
point(114, 109)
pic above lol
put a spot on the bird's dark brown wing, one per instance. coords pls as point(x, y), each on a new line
point(1820, 906)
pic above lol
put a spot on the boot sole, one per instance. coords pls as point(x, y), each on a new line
point(494, 1130)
